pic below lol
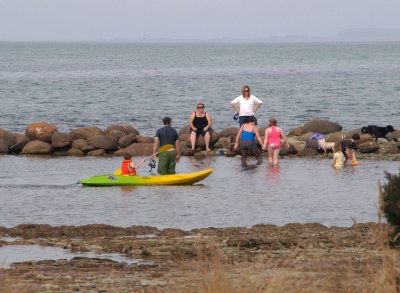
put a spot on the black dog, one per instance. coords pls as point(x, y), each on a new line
point(377, 131)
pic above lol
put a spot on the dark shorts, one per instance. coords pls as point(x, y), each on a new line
point(245, 119)
point(200, 131)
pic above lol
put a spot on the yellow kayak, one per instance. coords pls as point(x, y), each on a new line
point(125, 180)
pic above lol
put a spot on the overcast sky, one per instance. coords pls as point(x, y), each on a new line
point(189, 19)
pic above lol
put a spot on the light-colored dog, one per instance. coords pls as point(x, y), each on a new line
point(325, 145)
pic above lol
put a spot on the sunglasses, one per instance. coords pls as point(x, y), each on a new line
point(246, 90)
point(200, 107)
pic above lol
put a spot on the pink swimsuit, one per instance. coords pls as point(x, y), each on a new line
point(274, 138)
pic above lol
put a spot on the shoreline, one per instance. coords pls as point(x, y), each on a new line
point(310, 257)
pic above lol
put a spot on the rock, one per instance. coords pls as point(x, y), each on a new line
point(321, 126)
point(137, 149)
point(287, 151)
point(84, 132)
point(37, 147)
point(297, 144)
point(223, 143)
point(3, 146)
point(306, 136)
point(22, 140)
point(395, 135)
point(8, 137)
point(144, 139)
point(115, 134)
point(75, 152)
point(394, 149)
point(97, 153)
point(232, 131)
point(307, 152)
point(337, 136)
point(297, 131)
point(127, 140)
point(188, 152)
point(116, 127)
point(99, 141)
point(184, 130)
point(40, 131)
point(61, 140)
point(314, 144)
point(230, 153)
point(82, 145)
point(129, 129)
point(368, 147)
point(364, 138)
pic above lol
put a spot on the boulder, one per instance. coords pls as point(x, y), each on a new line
point(22, 140)
point(137, 149)
point(297, 131)
point(75, 152)
point(393, 149)
point(40, 131)
point(296, 143)
point(85, 132)
point(2, 131)
point(37, 147)
point(129, 129)
point(287, 151)
point(80, 144)
point(117, 127)
point(364, 138)
point(127, 140)
point(3, 146)
point(61, 140)
point(395, 135)
point(115, 134)
point(184, 130)
point(97, 153)
point(307, 152)
point(144, 139)
point(306, 136)
point(8, 137)
point(368, 147)
point(223, 143)
point(232, 131)
point(99, 141)
point(188, 152)
point(321, 126)
point(184, 137)
point(230, 153)
point(337, 136)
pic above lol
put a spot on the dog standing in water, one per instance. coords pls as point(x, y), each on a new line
point(377, 131)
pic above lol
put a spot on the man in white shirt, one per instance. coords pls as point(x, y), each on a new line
point(246, 105)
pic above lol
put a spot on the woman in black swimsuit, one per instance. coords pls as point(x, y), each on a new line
point(200, 123)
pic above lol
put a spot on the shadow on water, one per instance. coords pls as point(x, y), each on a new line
point(298, 190)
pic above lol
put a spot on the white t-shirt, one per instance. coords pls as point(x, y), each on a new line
point(246, 106)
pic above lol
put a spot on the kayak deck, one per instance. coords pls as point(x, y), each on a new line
point(127, 180)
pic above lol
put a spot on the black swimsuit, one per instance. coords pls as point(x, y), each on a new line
point(200, 123)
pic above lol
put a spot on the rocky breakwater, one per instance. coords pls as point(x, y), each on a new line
point(41, 138)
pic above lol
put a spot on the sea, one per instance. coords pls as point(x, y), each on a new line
point(76, 84)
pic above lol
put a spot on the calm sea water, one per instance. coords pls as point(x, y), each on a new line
point(80, 84)
point(38, 190)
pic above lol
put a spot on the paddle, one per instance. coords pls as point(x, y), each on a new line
point(162, 149)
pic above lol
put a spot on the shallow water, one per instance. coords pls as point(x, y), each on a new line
point(21, 253)
point(45, 190)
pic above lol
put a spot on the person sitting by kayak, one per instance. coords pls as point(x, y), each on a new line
point(128, 167)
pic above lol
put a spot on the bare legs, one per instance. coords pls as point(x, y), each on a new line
point(207, 139)
point(273, 155)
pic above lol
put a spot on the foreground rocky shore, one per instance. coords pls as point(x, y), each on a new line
point(44, 139)
point(263, 258)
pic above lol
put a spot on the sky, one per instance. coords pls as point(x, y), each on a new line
point(44, 20)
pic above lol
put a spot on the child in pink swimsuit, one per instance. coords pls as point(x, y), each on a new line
point(272, 141)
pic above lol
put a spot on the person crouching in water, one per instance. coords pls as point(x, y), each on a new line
point(272, 141)
point(247, 134)
point(128, 167)
point(338, 157)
